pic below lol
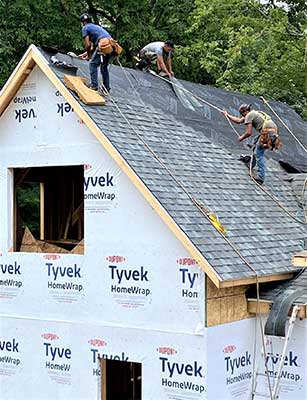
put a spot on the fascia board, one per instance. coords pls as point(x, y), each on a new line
point(19, 75)
point(34, 56)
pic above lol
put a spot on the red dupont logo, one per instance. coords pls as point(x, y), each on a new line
point(87, 166)
point(52, 256)
point(166, 350)
point(97, 342)
point(49, 336)
point(229, 349)
point(186, 261)
point(116, 259)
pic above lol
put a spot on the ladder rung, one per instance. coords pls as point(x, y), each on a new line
point(262, 395)
point(265, 375)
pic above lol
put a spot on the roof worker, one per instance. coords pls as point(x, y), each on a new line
point(158, 53)
point(94, 36)
point(268, 137)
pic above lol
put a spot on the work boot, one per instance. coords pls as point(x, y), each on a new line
point(258, 180)
point(246, 159)
point(93, 87)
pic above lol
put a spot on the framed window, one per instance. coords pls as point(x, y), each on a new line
point(49, 209)
point(120, 380)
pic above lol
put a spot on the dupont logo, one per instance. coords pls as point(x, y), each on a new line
point(87, 166)
point(166, 350)
point(116, 259)
point(49, 336)
point(229, 349)
point(186, 261)
point(52, 256)
point(97, 342)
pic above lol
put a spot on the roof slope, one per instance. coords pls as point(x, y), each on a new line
point(264, 234)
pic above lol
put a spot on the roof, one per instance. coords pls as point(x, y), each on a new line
point(148, 124)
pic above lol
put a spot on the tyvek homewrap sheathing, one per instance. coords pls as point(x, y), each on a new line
point(135, 294)
point(174, 366)
point(134, 271)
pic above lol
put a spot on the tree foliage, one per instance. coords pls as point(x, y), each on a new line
point(251, 46)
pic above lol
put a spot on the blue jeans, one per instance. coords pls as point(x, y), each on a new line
point(260, 162)
point(95, 62)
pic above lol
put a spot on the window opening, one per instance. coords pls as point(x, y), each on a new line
point(120, 380)
point(49, 209)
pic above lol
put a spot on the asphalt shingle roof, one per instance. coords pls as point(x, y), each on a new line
point(201, 153)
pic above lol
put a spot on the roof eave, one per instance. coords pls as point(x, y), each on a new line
point(34, 57)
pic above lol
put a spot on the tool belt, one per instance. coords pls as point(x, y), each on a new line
point(270, 139)
point(109, 46)
point(148, 55)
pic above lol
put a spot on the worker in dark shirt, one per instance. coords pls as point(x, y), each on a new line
point(267, 138)
point(92, 35)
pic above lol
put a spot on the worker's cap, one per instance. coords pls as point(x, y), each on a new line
point(85, 17)
point(244, 107)
point(170, 44)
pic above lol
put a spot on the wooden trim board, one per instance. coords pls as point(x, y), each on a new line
point(300, 259)
point(264, 307)
point(32, 57)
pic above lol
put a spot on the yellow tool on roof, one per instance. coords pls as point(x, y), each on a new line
point(211, 216)
point(216, 223)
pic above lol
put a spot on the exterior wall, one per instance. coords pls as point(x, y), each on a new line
point(225, 305)
point(134, 272)
point(57, 360)
point(134, 295)
point(50, 337)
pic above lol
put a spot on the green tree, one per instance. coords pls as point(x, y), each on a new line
point(242, 45)
point(247, 46)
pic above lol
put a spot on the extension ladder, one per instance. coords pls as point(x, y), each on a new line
point(273, 389)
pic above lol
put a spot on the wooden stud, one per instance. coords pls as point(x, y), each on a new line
point(42, 211)
point(103, 378)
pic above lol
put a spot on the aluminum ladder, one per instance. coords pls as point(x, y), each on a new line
point(273, 389)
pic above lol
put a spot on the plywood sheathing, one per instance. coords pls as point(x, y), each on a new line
point(300, 259)
point(29, 244)
point(51, 248)
point(264, 307)
point(79, 249)
point(85, 94)
point(226, 305)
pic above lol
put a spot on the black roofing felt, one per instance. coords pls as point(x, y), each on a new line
point(200, 149)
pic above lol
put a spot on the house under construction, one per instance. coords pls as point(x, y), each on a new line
point(151, 266)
